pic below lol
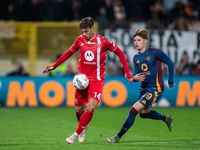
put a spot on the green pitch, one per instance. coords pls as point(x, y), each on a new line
point(47, 129)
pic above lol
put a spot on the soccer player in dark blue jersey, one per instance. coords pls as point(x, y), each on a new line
point(147, 62)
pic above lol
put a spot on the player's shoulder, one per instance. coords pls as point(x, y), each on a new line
point(80, 37)
point(102, 37)
point(106, 41)
point(154, 50)
point(135, 56)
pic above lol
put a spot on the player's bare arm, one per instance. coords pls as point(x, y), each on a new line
point(139, 77)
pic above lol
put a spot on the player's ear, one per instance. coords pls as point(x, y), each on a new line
point(146, 41)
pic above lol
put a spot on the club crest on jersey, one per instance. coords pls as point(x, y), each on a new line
point(148, 58)
point(88, 42)
point(89, 55)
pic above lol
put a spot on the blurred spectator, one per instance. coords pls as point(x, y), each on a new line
point(119, 11)
point(102, 20)
point(178, 10)
point(168, 5)
point(185, 68)
point(196, 62)
point(60, 70)
point(190, 11)
point(70, 70)
point(158, 14)
point(147, 11)
point(197, 7)
point(10, 12)
point(19, 70)
point(179, 24)
point(110, 11)
point(197, 69)
point(157, 17)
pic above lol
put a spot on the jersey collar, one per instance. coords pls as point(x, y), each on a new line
point(93, 37)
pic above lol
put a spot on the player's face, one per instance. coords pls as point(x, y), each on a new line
point(140, 43)
point(88, 33)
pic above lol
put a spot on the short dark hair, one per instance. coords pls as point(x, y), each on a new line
point(142, 33)
point(87, 22)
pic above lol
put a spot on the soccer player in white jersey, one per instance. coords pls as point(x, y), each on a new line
point(92, 62)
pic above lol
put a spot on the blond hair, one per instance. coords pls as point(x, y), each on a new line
point(142, 33)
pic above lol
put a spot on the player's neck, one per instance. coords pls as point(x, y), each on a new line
point(143, 50)
point(92, 36)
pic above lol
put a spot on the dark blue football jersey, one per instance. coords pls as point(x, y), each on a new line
point(149, 64)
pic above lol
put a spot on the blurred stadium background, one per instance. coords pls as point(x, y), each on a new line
point(35, 44)
point(36, 31)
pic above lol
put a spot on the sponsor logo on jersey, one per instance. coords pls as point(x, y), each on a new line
point(146, 73)
point(144, 67)
point(88, 42)
point(138, 61)
point(89, 55)
point(148, 58)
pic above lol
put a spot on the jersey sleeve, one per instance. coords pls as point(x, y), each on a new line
point(165, 58)
point(136, 69)
point(64, 57)
point(110, 45)
point(75, 46)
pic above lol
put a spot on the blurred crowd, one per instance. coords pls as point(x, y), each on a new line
point(158, 14)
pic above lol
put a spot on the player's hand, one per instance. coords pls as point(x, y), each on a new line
point(171, 85)
point(139, 77)
point(48, 68)
point(129, 77)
